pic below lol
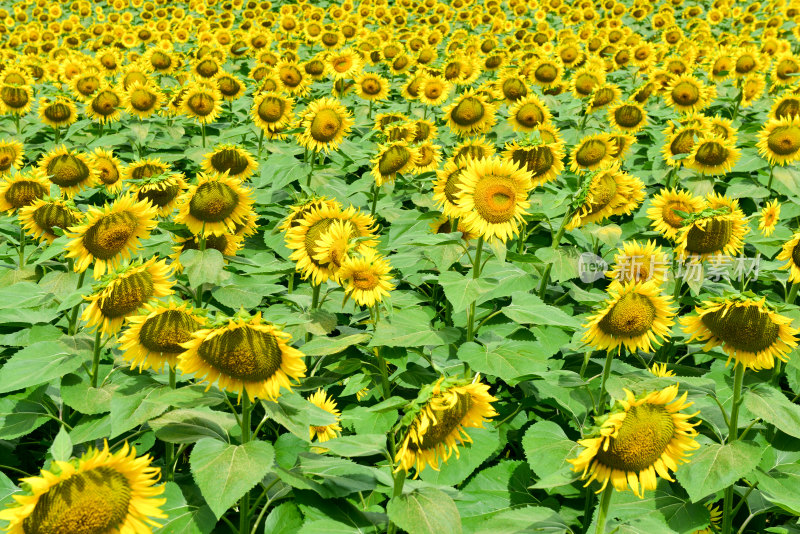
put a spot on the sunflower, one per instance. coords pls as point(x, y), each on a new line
point(603, 95)
point(439, 427)
point(584, 81)
point(143, 169)
point(104, 105)
point(243, 355)
point(544, 161)
point(434, 90)
point(749, 331)
point(660, 370)
point(43, 215)
point(70, 171)
point(162, 191)
point(271, 111)
point(635, 315)
point(110, 234)
point(547, 72)
point(492, 197)
point(444, 225)
point(229, 85)
point(323, 433)
point(161, 61)
point(627, 116)
point(291, 78)
point(638, 262)
point(142, 101)
point(22, 189)
point(366, 277)
point(527, 113)
point(393, 158)
point(711, 234)
point(16, 99)
point(428, 157)
point(721, 127)
point(226, 244)
point(681, 142)
point(298, 211)
point(592, 152)
point(713, 155)
point(769, 217)
point(123, 292)
point(641, 437)
point(788, 105)
point(447, 186)
point(307, 234)
point(202, 102)
point(58, 112)
point(663, 208)
point(610, 192)
point(752, 88)
point(344, 63)
point(512, 85)
point(470, 114)
point(155, 338)
point(790, 253)
point(214, 205)
point(99, 492)
point(326, 122)
point(11, 153)
point(108, 169)
point(335, 245)
point(475, 148)
point(779, 140)
point(372, 87)
point(784, 70)
point(686, 93)
point(233, 159)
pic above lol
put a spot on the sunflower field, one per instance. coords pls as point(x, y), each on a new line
point(408, 266)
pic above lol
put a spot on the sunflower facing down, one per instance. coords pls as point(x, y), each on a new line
point(393, 158)
point(125, 291)
point(366, 277)
point(326, 122)
point(11, 153)
point(105, 105)
point(233, 159)
point(492, 197)
point(636, 315)
point(639, 262)
point(215, 205)
point(69, 170)
point(142, 101)
point(439, 427)
point(769, 217)
point(663, 208)
point(713, 155)
point(428, 157)
point(110, 234)
point(749, 331)
point(779, 140)
point(98, 492)
point(244, 355)
point(372, 87)
point(643, 436)
point(610, 192)
point(627, 116)
point(543, 161)
point(713, 234)
point(320, 399)
point(108, 169)
point(58, 112)
point(474, 148)
point(155, 338)
point(40, 218)
point(22, 189)
point(470, 114)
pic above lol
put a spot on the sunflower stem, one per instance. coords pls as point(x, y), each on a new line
point(311, 169)
point(606, 372)
point(476, 272)
point(790, 297)
point(733, 431)
point(96, 358)
point(203, 132)
point(771, 176)
point(169, 457)
point(602, 513)
point(260, 143)
point(375, 191)
point(554, 245)
point(244, 503)
point(58, 134)
point(73, 318)
point(21, 247)
point(369, 113)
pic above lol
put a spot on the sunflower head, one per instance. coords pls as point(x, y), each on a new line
point(470, 114)
point(214, 205)
point(231, 159)
point(11, 153)
point(320, 399)
point(393, 158)
point(71, 171)
point(22, 189)
point(713, 155)
point(779, 140)
point(666, 208)
point(326, 122)
point(713, 231)
point(272, 111)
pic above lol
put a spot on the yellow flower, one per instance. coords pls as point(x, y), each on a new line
point(527, 113)
point(769, 217)
point(779, 140)
point(58, 112)
point(638, 262)
point(43, 215)
point(365, 277)
point(22, 189)
point(202, 102)
point(592, 152)
point(470, 114)
point(713, 155)
point(11, 153)
point(713, 235)
point(233, 159)
point(214, 205)
point(393, 158)
point(663, 208)
point(325, 122)
point(323, 433)
point(142, 101)
point(104, 106)
point(611, 192)
point(271, 111)
point(69, 170)
point(108, 169)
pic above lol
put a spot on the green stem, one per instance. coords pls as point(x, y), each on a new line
point(169, 458)
point(203, 132)
point(96, 358)
point(733, 431)
point(606, 374)
point(553, 245)
point(311, 169)
point(369, 113)
point(375, 191)
point(21, 247)
point(476, 272)
point(244, 503)
point(73, 318)
point(260, 143)
point(792, 293)
point(314, 303)
point(602, 514)
point(771, 176)
point(58, 134)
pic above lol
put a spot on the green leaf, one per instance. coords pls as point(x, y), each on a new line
point(283, 519)
point(78, 394)
point(39, 363)
point(61, 449)
point(780, 486)
point(716, 467)
point(206, 267)
point(564, 260)
point(521, 520)
point(527, 308)
point(296, 414)
point(425, 511)
point(407, 328)
point(773, 407)
point(325, 346)
point(358, 445)
point(547, 448)
point(21, 295)
point(236, 298)
point(462, 290)
point(500, 486)
point(224, 472)
point(19, 417)
point(183, 518)
point(508, 359)
point(485, 441)
point(191, 425)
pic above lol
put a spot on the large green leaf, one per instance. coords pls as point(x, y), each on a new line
point(463, 290)
point(204, 267)
point(773, 407)
point(183, 518)
point(190, 425)
point(508, 359)
point(781, 485)
point(485, 441)
point(716, 467)
point(409, 328)
point(498, 487)
point(39, 363)
point(283, 519)
point(547, 449)
point(527, 308)
point(425, 511)
point(225, 472)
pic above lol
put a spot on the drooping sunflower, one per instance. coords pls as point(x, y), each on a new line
point(325, 122)
point(58, 112)
point(611, 191)
point(492, 197)
point(272, 111)
point(639, 262)
point(636, 315)
point(244, 355)
point(366, 277)
point(749, 331)
point(592, 152)
point(11, 153)
point(779, 140)
point(202, 102)
point(713, 155)
point(22, 189)
point(439, 427)
point(16, 99)
point(71, 171)
point(788, 105)
point(663, 208)
point(753, 87)
point(627, 116)
point(110, 234)
point(161, 190)
point(584, 80)
point(320, 399)
point(547, 72)
point(720, 232)
point(142, 101)
point(143, 169)
point(43, 215)
point(125, 291)
point(393, 158)
point(108, 169)
point(298, 211)
point(105, 105)
point(428, 157)
point(783, 69)
point(470, 114)
point(233, 159)
point(335, 245)
point(527, 113)
point(155, 338)
point(544, 161)
point(641, 437)
point(98, 492)
point(229, 85)
point(473, 148)
point(603, 96)
point(214, 205)
point(769, 217)
point(512, 85)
